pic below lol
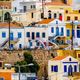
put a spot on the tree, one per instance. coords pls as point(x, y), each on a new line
point(28, 59)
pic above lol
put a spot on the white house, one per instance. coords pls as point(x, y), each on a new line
point(61, 67)
point(38, 35)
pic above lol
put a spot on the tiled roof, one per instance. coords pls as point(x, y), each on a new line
point(45, 21)
point(56, 3)
point(59, 58)
point(6, 25)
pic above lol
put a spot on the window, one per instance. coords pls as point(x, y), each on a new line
point(70, 59)
point(55, 15)
point(37, 34)
point(0, 64)
point(65, 68)
point(31, 6)
point(68, 18)
point(24, 8)
point(55, 68)
point(52, 68)
point(52, 29)
point(78, 33)
point(28, 34)
point(73, 33)
point(75, 68)
point(78, 55)
point(20, 46)
point(42, 15)
point(3, 34)
point(60, 16)
point(15, 9)
point(62, 31)
point(32, 15)
point(43, 35)
point(19, 35)
point(11, 45)
point(66, 11)
point(68, 32)
point(76, 18)
point(49, 15)
point(57, 31)
point(34, 6)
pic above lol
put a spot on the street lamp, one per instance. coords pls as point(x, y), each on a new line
point(8, 19)
point(19, 67)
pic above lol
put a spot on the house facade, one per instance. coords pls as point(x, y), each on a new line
point(61, 67)
point(38, 35)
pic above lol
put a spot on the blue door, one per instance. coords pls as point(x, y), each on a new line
point(11, 46)
point(70, 70)
point(11, 36)
point(57, 31)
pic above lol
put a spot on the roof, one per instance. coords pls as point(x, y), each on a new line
point(58, 3)
point(59, 58)
point(6, 25)
point(5, 4)
point(45, 21)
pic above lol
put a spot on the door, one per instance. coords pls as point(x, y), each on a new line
point(11, 36)
point(20, 46)
point(11, 46)
point(70, 70)
point(57, 31)
point(33, 35)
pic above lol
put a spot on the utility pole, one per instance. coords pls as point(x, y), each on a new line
point(72, 36)
point(8, 19)
point(43, 7)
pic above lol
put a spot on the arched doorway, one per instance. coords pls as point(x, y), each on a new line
point(70, 70)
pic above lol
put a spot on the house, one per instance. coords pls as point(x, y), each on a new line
point(6, 74)
point(33, 35)
point(61, 67)
point(5, 6)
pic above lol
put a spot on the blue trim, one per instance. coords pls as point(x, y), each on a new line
point(70, 62)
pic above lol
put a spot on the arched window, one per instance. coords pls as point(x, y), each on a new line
point(60, 16)
point(68, 18)
point(55, 15)
point(49, 14)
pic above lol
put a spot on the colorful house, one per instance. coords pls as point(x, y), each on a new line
point(61, 67)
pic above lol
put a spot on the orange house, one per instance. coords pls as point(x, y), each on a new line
point(6, 74)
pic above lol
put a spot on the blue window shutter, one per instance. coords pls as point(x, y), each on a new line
point(55, 68)
point(3, 34)
point(75, 68)
point(38, 34)
point(65, 68)
point(19, 35)
point(68, 32)
point(52, 30)
point(28, 34)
